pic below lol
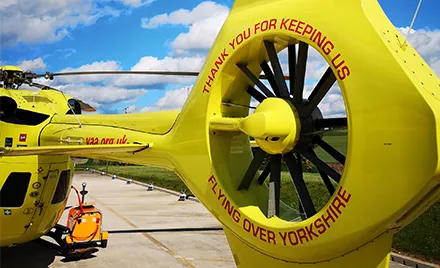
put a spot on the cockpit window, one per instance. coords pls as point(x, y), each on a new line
point(75, 106)
point(24, 117)
point(9, 113)
point(8, 106)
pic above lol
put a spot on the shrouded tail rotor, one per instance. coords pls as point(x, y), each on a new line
point(310, 123)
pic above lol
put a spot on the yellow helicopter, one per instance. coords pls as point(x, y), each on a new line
point(391, 96)
point(35, 188)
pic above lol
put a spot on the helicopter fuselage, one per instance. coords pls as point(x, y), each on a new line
point(33, 189)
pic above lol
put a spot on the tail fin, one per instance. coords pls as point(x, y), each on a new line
point(212, 153)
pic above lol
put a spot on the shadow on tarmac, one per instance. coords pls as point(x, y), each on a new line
point(36, 254)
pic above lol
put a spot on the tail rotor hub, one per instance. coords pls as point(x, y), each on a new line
point(275, 126)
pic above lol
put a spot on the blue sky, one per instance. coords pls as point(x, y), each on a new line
point(112, 35)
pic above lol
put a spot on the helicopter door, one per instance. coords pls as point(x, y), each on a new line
point(19, 190)
point(41, 201)
point(12, 198)
point(50, 204)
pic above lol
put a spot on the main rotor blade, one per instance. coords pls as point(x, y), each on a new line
point(120, 72)
point(176, 73)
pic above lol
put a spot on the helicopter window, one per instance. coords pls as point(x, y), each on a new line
point(75, 105)
point(8, 106)
point(10, 114)
point(62, 187)
point(37, 99)
point(14, 190)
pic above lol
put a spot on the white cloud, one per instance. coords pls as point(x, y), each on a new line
point(33, 65)
point(44, 21)
point(6, 3)
point(62, 53)
point(173, 99)
point(154, 22)
point(204, 22)
point(332, 106)
point(426, 42)
point(186, 17)
point(137, 3)
point(435, 65)
point(201, 35)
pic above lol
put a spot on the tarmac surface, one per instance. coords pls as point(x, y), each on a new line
point(130, 208)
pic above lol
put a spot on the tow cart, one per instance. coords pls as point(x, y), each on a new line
point(83, 232)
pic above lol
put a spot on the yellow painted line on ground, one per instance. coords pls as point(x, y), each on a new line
point(154, 240)
point(213, 260)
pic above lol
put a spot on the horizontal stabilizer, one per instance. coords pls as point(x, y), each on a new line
point(74, 150)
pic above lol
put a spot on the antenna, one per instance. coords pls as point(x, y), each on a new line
point(412, 23)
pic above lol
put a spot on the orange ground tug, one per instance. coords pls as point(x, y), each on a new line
point(84, 229)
